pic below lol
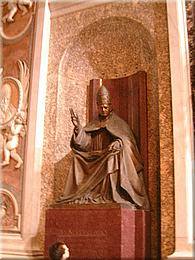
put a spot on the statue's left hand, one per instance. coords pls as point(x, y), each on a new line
point(116, 145)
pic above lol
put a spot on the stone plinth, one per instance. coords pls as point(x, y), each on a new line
point(110, 231)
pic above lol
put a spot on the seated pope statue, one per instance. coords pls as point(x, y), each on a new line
point(106, 165)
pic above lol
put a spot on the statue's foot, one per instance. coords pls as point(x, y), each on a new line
point(4, 163)
point(18, 165)
point(10, 20)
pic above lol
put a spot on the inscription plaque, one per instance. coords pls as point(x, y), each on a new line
point(99, 232)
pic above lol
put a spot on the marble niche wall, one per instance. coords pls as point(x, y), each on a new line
point(110, 41)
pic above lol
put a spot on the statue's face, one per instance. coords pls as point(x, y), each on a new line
point(104, 109)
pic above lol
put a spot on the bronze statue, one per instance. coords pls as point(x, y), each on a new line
point(106, 166)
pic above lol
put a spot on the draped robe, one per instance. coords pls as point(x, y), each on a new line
point(106, 165)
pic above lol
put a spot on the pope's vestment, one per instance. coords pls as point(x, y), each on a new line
point(106, 165)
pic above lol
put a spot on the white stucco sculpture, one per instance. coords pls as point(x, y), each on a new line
point(13, 113)
point(13, 6)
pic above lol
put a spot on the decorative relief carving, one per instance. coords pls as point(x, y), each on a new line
point(13, 7)
point(10, 219)
point(13, 113)
point(9, 11)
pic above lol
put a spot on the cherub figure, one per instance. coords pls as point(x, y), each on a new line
point(11, 140)
point(13, 6)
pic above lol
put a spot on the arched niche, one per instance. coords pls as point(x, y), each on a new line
point(109, 48)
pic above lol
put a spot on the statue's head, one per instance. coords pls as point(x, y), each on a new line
point(104, 103)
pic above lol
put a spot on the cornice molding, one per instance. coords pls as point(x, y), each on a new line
point(61, 8)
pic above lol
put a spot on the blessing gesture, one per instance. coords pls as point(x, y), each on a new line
point(75, 119)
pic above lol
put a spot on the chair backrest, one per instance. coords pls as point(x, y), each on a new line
point(129, 100)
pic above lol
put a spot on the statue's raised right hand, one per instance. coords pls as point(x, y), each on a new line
point(74, 118)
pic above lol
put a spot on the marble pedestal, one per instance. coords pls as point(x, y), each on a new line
point(104, 231)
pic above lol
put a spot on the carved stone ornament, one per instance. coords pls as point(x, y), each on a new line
point(10, 9)
point(13, 113)
point(10, 218)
